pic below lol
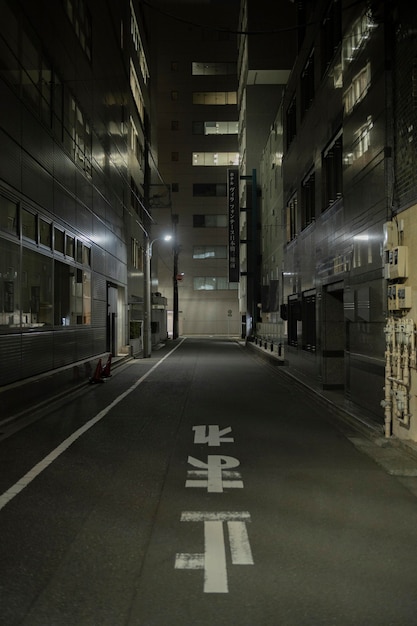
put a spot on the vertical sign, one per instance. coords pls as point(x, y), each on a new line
point(233, 216)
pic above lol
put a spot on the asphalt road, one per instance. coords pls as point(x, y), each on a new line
point(200, 488)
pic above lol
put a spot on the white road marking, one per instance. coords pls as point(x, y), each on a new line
point(215, 572)
point(239, 543)
point(42, 465)
point(212, 435)
point(213, 561)
point(215, 471)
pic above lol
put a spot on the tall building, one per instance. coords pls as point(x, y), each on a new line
point(195, 47)
point(343, 144)
point(267, 50)
point(75, 166)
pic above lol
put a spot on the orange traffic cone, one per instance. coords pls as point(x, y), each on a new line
point(97, 374)
point(106, 369)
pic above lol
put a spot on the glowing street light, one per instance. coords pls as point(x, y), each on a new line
point(147, 331)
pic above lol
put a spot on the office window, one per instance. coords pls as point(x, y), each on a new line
point(135, 143)
point(59, 240)
point(358, 88)
point(45, 233)
point(215, 128)
point(210, 221)
point(356, 37)
point(10, 285)
point(215, 97)
point(8, 215)
point(291, 118)
point(136, 254)
point(136, 91)
point(137, 43)
point(36, 289)
point(213, 69)
point(174, 95)
point(215, 158)
point(175, 125)
point(28, 224)
point(80, 18)
point(76, 132)
point(212, 190)
point(361, 143)
point(307, 84)
point(70, 246)
point(291, 219)
point(331, 34)
point(210, 252)
point(72, 295)
point(332, 166)
point(213, 283)
point(308, 200)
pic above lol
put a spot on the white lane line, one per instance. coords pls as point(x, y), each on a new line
point(239, 543)
point(52, 456)
point(215, 572)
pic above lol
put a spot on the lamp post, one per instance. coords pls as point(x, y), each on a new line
point(147, 331)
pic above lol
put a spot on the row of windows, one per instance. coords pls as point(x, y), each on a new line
point(137, 44)
point(38, 291)
point(30, 226)
point(213, 69)
point(215, 158)
point(80, 18)
point(330, 41)
point(30, 74)
point(210, 128)
point(213, 283)
point(300, 214)
point(210, 252)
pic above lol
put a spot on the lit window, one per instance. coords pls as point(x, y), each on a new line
point(210, 252)
point(358, 88)
point(214, 69)
point(215, 158)
point(215, 97)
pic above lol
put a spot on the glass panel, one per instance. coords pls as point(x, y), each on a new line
point(59, 240)
point(9, 285)
point(45, 233)
point(86, 297)
point(8, 215)
point(70, 246)
point(36, 289)
point(28, 220)
point(63, 278)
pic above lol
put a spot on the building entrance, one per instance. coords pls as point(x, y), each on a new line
point(333, 334)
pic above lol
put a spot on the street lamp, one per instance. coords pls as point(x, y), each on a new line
point(147, 331)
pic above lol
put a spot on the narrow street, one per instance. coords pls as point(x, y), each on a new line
point(201, 488)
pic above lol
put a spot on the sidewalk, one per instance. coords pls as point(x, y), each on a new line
point(398, 457)
point(23, 396)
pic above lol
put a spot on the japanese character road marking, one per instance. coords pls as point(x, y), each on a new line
point(212, 435)
point(213, 560)
point(215, 473)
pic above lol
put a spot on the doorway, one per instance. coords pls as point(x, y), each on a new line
point(334, 337)
point(115, 317)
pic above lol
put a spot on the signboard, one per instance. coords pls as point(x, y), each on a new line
point(233, 219)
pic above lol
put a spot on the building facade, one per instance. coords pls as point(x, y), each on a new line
point(342, 148)
point(74, 170)
point(196, 52)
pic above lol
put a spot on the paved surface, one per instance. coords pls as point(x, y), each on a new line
point(200, 487)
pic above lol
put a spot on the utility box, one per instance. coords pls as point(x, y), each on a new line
point(396, 265)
